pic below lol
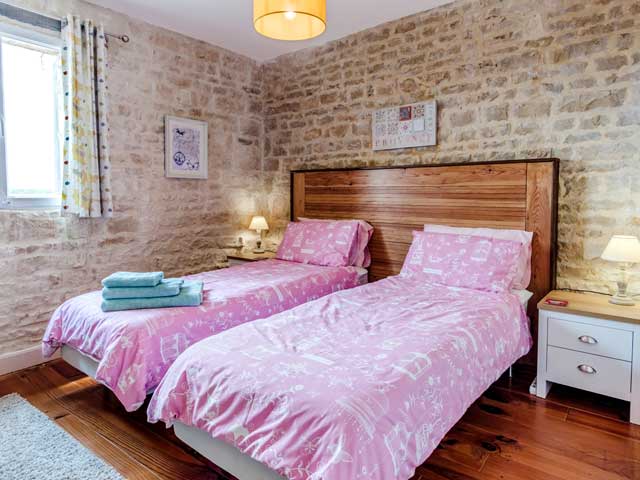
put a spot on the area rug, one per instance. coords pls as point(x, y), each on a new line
point(32, 447)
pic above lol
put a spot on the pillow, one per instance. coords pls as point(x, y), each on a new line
point(480, 263)
point(359, 256)
point(319, 243)
point(523, 275)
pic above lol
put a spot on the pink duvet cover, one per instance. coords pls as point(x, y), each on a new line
point(135, 348)
point(362, 384)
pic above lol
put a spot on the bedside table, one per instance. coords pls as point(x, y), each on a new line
point(592, 345)
point(238, 258)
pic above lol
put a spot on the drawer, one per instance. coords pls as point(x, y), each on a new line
point(609, 377)
point(583, 337)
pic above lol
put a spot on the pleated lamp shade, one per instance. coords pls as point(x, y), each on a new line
point(290, 19)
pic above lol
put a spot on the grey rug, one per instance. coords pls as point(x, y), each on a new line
point(32, 447)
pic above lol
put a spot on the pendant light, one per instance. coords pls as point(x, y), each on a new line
point(290, 19)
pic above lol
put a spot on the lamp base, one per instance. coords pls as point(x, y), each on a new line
point(259, 248)
point(622, 300)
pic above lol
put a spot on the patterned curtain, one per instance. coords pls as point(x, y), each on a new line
point(86, 188)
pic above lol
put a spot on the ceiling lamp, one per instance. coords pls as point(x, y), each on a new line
point(290, 19)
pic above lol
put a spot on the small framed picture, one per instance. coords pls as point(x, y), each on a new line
point(185, 148)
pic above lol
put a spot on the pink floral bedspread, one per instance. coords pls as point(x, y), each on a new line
point(362, 384)
point(135, 348)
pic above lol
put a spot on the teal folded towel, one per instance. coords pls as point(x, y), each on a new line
point(133, 279)
point(190, 296)
point(166, 288)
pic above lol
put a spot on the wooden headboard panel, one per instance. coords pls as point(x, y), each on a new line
point(397, 200)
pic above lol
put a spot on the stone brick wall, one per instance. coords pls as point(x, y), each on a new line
point(168, 224)
point(514, 79)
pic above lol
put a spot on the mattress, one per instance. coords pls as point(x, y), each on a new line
point(362, 382)
point(133, 349)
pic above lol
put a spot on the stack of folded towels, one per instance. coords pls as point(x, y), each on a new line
point(133, 290)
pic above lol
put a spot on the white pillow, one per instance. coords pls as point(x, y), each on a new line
point(523, 275)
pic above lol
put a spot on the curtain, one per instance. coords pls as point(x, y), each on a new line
point(86, 179)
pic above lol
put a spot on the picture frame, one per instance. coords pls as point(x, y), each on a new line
point(185, 148)
point(405, 126)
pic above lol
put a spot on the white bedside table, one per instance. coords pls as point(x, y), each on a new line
point(592, 345)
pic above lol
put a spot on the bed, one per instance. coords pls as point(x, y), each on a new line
point(365, 383)
point(129, 351)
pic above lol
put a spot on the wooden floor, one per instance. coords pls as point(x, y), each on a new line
point(507, 434)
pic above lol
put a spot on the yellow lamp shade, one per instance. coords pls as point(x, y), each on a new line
point(290, 19)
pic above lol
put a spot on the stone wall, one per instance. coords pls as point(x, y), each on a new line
point(159, 223)
point(513, 79)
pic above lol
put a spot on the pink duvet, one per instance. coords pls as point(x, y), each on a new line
point(362, 384)
point(135, 348)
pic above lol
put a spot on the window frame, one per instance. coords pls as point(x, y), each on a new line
point(37, 202)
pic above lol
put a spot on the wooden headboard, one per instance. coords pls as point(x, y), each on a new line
point(397, 200)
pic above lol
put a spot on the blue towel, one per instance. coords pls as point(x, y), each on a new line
point(133, 279)
point(166, 288)
point(190, 296)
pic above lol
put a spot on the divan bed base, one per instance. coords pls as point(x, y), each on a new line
point(80, 361)
point(225, 456)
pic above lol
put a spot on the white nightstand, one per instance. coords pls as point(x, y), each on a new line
point(238, 258)
point(592, 345)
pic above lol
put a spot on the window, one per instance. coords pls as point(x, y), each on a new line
point(30, 165)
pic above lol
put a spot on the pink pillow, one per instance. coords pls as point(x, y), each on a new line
point(464, 261)
point(523, 274)
point(359, 255)
point(319, 243)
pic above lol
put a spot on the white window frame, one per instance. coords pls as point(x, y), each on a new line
point(26, 203)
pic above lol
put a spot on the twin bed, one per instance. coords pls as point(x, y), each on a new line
point(366, 381)
point(130, 351)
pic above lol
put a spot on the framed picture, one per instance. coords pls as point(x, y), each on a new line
point(405, 126)
point(185, 148)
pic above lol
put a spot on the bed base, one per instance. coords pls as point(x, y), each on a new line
point(225, 456)
point(80, 361)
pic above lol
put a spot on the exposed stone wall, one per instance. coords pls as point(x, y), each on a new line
point(159, 223)
point(514, 79)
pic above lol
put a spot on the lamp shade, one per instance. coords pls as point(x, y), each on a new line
point(622, 248)
point(259, 224)
point(290, 19)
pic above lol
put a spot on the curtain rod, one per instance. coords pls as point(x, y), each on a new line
point(122, 38)
point(42, 21)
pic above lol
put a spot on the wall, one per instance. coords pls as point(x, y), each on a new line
point(169, 224)
point(513, 79)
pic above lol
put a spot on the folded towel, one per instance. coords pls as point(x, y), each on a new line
point(190, 296)
point(166, 288)
point(133, 279)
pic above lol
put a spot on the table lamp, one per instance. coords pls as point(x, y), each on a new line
point(625, 250)
point(259, 224)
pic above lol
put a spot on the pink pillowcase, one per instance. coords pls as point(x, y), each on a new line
point(465, 261)
point(523, 275)
point(359, 255)
point(319, 243)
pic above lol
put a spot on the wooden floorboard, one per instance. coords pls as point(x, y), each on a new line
point(506, 435)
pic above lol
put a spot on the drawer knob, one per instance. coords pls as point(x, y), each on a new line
point(587, 369)
point(588, 339)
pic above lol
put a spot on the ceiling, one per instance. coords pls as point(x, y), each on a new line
point(229, 23)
